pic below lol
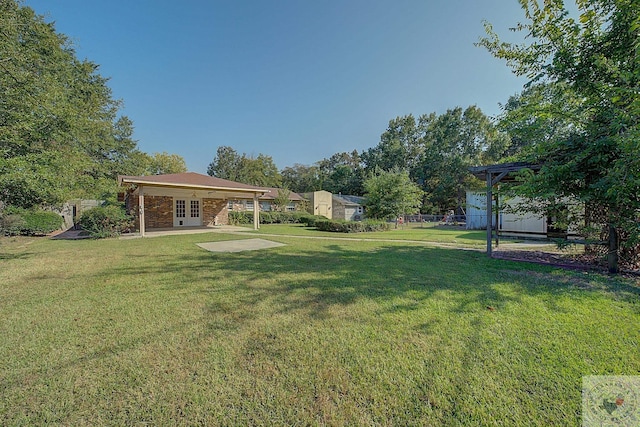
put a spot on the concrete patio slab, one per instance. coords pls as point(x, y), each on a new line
point(239, 245)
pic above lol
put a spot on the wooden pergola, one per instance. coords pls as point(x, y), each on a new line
point(493, 175)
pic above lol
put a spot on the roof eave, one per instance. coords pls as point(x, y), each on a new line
point(125, 180)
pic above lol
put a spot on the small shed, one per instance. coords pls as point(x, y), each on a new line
point(493, 175)
point(350, 208)
point(517, 224)
point(320, 203)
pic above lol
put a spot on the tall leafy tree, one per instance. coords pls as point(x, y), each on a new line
point(60, 136)
point(454, 141)
point(165, 163)
point(596, 58)
point(301, 178)
point(260, 170)
point(401, 145)
point(389, 194)
point(437, 150)
point(540, 113)
point(342, 173)
point(225, 164)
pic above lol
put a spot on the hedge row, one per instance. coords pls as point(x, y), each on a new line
point(27, 222)
point(340, 226)
point(271, 217)
point(320, 222)
point(106, 221)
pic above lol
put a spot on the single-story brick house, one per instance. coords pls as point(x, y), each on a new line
point(266, 201)
point(184, 200)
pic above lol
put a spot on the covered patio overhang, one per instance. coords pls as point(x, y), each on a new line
point(493, 175)
point(199, 185)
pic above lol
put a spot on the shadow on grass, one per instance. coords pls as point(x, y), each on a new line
point(10, 257)
point(314, 280)
point(472, 235)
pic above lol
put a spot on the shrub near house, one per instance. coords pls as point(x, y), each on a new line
point(105, 221)
point(269, 217)
point(341, 226)
point(28, 222)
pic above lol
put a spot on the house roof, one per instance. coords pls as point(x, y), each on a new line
point(348, 200)
point(190, 180)
point(272, 193)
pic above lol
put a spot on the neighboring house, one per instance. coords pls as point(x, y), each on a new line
point(184, 200)
point(267, 202)
point(320, 203)
point(349, 208)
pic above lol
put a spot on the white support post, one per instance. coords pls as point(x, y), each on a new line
point(256, 212)
point(141, 210)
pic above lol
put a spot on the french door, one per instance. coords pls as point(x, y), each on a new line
point(187, 213)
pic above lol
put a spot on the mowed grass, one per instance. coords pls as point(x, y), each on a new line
point(423, 232)
point(317, 332)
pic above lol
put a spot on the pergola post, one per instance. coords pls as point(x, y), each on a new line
point(141, 209)
point(497, 216)
point(489, 213)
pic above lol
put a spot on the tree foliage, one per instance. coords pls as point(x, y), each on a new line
point(594, 61)
point(165, 163)
point(282, 199)
point(437, 151)
point(60, 135)
point(225, 164)
point(301, 178)
point(389, 194)
point(342, 173)
point(260, 170)
point(542, 112)
point(401, 145)
point(453, 142)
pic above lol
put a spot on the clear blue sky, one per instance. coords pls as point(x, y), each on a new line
point(297, 80)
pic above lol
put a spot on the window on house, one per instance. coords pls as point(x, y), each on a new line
point(230, 205)
point(265, 206)
point(249, 205)
point(195, 209)
point(291, 207)
point(359, 209)
point(181, 208)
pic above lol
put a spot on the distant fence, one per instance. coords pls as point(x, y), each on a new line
point(442, 218)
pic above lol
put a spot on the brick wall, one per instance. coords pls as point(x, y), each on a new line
point(212, 208)
point(158, 211)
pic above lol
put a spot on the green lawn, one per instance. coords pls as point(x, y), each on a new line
point(427, 232)
point(317, 332)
